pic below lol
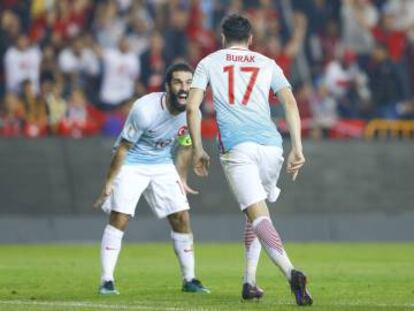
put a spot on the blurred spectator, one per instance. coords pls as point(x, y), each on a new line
point(71, 17)
point(153, 62)
point(358, 18)
point(21, 8)
point(387, 34)
point(55, 103)
point(264, 16)
point(323, 19)
point(285, 54)
point(201, 37)
point(139, 28)
point(385, 81)
point(36, 121)
point(79, 121)
point(10, 28)
point(56, 21)
point(404, 10)
point(348, 85)
point(49, 68)
point(22, 62)
point(109, 26)
point(318, 12)
point(175, 35)
point(324, 110)
point(193, 53)
point(330, 41)
point(12, 116)
point(120, 70)
point(78, 63)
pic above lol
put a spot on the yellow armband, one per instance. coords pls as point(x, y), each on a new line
point(184, 140)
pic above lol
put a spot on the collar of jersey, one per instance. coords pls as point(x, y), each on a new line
point(162, 97)
point(164, 107)
point(238, 48)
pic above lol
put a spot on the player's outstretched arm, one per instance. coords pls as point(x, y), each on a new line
point(182, 163)
point(116, 163)
point(201, 160)
point(296, 158)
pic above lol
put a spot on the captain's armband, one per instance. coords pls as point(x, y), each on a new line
point(184, 140)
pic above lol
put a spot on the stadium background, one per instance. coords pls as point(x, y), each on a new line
point(351, 67)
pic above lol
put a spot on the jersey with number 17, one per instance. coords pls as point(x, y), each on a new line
point(241, 80)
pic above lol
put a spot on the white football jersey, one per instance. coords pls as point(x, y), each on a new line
point(119, 75)
point(241, 80)
point(153, 130)
point(20, 66)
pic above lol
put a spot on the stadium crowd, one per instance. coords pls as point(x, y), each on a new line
point(73, 67)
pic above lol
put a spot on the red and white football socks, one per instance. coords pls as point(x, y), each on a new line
point(270, 240)
point(252, 253)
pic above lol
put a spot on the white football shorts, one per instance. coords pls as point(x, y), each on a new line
point(252, 171)
point(159, 183)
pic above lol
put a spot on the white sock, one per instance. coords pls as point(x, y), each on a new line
point(183, 248)
point(270, 240)
point(110, 248)
point(252, 254)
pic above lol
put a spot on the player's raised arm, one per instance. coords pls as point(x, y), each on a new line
point(201, 160)
point(295, 158)
point(116, 163)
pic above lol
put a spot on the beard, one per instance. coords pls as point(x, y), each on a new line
point(175, 103)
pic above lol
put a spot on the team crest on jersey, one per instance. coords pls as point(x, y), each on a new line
point(131, 131)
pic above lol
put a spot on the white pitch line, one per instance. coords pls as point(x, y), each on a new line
point(75, 304)
point(365, 304)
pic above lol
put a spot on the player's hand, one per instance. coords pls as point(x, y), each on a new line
point(201, 162)
point(106, 191)
point(187, 188)
point(295, 161)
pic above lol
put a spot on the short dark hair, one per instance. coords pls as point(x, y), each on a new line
point(236, 28)
point(181, 66)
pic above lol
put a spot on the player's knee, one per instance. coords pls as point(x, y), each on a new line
point(180, 222)
point(119, 220)
point(256, 210)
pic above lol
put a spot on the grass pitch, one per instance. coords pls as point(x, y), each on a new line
point(342, 277)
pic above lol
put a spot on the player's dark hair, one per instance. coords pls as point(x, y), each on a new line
point(236, 28)
point(181, 66)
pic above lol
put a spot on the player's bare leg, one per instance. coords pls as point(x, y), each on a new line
point(110, 249)
point(252, 254)
point(182, 237)
point(258, 214)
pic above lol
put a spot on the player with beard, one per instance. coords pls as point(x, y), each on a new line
point(142, 163)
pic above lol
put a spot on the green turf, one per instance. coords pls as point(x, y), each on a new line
point(342, 277)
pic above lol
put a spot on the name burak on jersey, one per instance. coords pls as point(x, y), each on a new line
point(240, 58)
